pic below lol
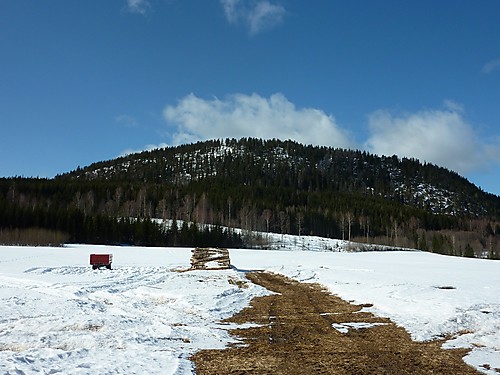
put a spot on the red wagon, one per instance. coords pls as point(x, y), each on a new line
point(101, 260)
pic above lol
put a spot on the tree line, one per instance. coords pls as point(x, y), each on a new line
point(112, 212)
point(45, 221)
point(256, 185)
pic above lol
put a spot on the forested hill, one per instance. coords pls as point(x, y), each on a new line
point(256, 163)
point(257, 185)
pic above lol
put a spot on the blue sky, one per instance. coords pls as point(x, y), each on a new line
point(89, 80)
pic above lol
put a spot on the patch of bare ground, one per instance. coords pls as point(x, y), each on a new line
point(302, 329)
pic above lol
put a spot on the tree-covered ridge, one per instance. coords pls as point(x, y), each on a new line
point(256, 185)
point(50, 212)
point(287, 164)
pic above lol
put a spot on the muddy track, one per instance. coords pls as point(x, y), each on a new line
point(305, 330)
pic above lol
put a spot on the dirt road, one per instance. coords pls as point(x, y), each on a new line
point(305, 330)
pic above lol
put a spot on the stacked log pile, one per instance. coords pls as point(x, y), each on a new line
point(210, 259)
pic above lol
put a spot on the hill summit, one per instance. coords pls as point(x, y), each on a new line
point(287, 164)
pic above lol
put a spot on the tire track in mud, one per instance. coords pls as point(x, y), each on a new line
point(302, 329)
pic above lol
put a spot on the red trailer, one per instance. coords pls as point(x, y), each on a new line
point(101, 260)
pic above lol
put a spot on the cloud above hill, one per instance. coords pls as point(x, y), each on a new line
point(242, 115)
point(441, 137)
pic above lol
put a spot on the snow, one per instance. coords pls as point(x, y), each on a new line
point(143, 317)
point(431, 296)
point(146, 316)
point(345, 327)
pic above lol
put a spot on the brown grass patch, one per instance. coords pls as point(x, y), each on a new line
point(295, 336)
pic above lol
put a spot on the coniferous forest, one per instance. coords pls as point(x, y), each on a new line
point(269, 186)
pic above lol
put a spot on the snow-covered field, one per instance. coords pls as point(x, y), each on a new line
point(145, 317)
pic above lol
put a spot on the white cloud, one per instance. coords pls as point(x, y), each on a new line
point(138, 6)
point(231, 10)
point(253, 116)
point(491, 66)
point(493, 151)
point(265, 16)
point(256, 15)
point(441, 137)
point(453, 106)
